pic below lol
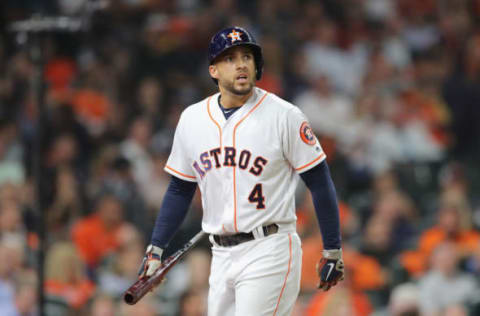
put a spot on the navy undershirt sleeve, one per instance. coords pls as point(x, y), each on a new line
point(173, 210)
point(324, 196)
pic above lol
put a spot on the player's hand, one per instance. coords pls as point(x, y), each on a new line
point(330, 269)
point(151, 261)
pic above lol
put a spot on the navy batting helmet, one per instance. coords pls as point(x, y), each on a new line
point(235, 36)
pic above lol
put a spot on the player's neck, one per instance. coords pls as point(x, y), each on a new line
point(230, 100)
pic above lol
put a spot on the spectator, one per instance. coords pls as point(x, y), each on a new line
point(340, 301)
point(404, 301)
point(444, 285)
point(11, 221)
point(102, 305)
point(461, 92)
point(118, 180)
point(328, 110)
point(67, 205)
point(121, 270)
point(11, 154)
point(63, 121)
point(91, 104)
point(456, 310)
point(157, 184)
point(452, 225)
point(67, 286)
point(98, 234)
point(344, 68)
point(7, 285)
point(370, 142)
point(473, 263)
point(63, 151)
point(26, 294)
point(136, 148)
point(397, 212)
point(151, 101)
point(193, 303)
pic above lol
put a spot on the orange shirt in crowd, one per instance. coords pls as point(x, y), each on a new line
point(60, 72)
point(91, 105)
point(93, 240)
point(328, 303)
point(416, 261)
point(75, 295)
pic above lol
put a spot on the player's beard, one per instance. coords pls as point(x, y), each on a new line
point(230, 87)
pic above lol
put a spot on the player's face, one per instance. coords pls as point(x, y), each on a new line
point(235, 70)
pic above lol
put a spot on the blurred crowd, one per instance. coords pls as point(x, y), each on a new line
point(391, 88)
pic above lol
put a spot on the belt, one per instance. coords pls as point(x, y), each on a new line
point(233, 240)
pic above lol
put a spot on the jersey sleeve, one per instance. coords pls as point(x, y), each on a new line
point(179, 162)
point(301, 147)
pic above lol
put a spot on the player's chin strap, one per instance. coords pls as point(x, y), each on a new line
point(335, 254)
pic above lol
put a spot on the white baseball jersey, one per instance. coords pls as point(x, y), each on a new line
point(246, 167)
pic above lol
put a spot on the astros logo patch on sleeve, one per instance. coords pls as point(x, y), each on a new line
point(306, 134)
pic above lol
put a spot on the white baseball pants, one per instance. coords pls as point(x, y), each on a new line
point(256, 278)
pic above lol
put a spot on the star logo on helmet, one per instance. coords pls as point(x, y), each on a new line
point(235, 36)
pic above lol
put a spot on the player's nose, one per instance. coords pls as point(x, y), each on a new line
point(241, 64)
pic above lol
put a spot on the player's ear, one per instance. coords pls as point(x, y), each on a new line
point(212, 69)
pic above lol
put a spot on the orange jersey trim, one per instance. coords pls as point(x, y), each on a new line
point(311, 162)
point(288, 272)
point(234, 168)
point(213, 120)
point(179, 173)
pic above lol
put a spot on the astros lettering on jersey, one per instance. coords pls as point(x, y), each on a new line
point(245, 166)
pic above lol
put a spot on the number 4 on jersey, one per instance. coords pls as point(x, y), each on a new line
point(256, 196)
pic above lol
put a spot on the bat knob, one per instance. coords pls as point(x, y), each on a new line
point(129, 299)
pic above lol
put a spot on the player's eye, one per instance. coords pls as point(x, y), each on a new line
point(228, 59)
point(247, 56)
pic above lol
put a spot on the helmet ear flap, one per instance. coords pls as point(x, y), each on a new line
point(258, 62)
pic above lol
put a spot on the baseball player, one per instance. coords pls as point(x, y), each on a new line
point(246, 148)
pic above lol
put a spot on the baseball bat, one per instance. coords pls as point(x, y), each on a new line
point(143, 285)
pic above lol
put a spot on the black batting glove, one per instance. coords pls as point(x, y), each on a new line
point(330, 269)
